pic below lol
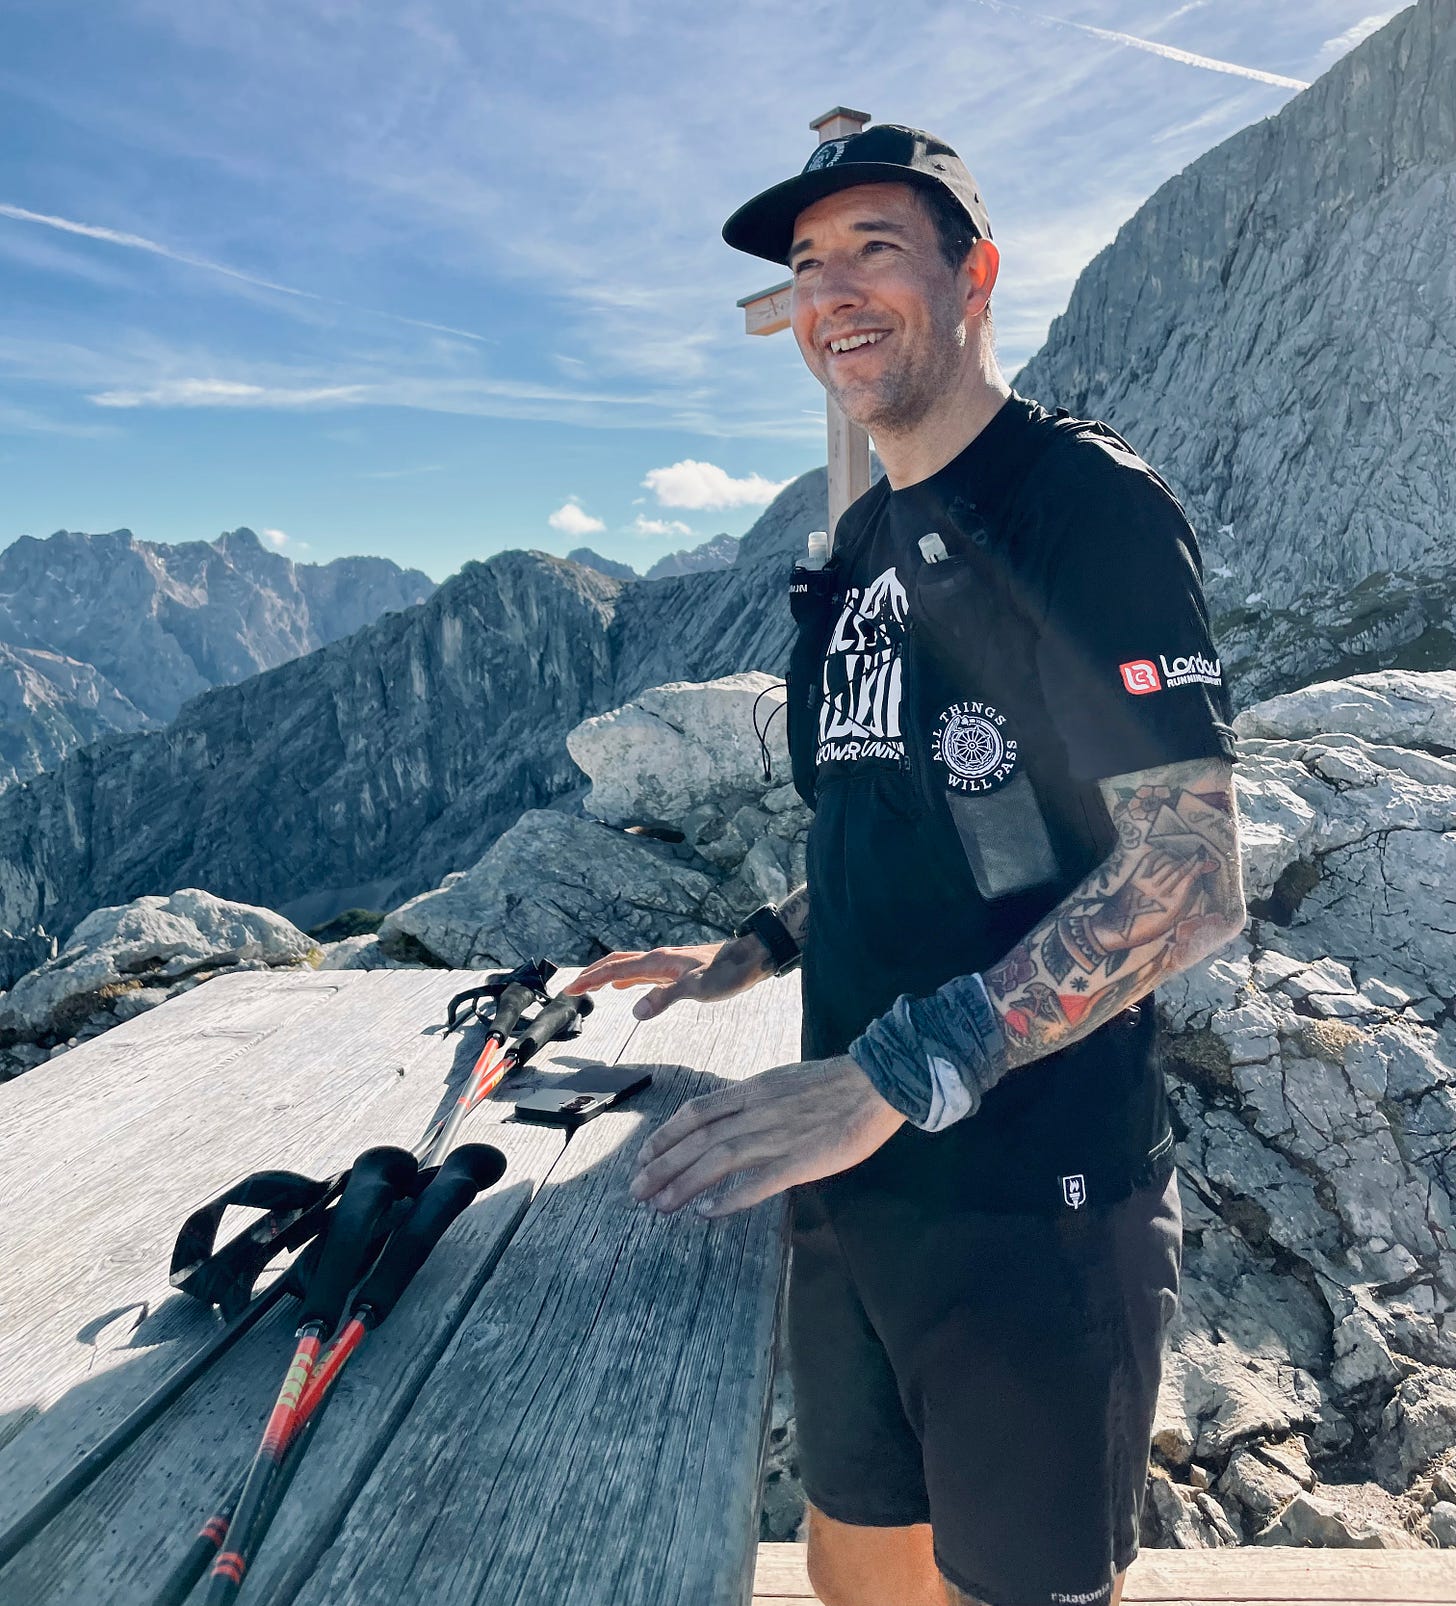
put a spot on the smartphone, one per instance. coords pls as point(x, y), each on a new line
point(580, 1097)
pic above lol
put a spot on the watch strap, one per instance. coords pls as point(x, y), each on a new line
point(765, 924)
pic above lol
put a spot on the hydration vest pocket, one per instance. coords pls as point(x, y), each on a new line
point(968, 750)
point(1004, 837)
point(815, 598)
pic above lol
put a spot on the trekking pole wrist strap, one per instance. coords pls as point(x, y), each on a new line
point(934, 1059)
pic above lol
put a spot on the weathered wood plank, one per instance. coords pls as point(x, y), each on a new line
point(1248, 1575)
point(117, 1541)
point(594, 1433)
point(371, 1066)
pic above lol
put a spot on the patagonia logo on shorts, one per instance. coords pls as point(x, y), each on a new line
point(1074, 1192)
point(1087, 1596)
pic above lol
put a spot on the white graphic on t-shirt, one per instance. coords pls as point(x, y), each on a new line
point(860, 716)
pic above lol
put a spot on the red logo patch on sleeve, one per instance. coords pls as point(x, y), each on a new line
point(1140, 676)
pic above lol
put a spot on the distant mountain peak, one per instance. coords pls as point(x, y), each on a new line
point(607, 566)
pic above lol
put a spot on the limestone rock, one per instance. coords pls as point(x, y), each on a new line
point(569, 888)
point(1391, 708)
point(1442, 1524)
point(122, 959)
point(680, 745)
point(22, 952)
point(1307, 427)
point(362, 953)
point(1418, 1425)
point(1349, 1517)
point(1177, 1517)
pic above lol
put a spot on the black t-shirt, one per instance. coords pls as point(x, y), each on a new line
point(950, 720)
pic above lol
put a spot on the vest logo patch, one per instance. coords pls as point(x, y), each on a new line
point(1074, 1190)
point(971, 742)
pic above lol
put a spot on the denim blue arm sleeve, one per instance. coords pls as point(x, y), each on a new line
point(934, 1059)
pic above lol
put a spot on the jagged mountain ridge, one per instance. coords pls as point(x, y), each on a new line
point(116, 633)
point(364, 772)
point(717, 552)
point(70, 841)
point(1275, 329)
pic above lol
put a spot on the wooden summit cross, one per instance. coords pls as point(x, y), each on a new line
point(768, 311)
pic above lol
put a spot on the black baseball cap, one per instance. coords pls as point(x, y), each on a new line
point(885, 153)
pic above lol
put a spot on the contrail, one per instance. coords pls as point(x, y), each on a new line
point(138, 242)
point(1171, 52)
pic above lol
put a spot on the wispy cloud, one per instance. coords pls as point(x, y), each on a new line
point(642, 525)
point(1154, 46)
point(227, 393)
point(572, 519)
point(138, 242)
point(1343, 43)
point(705, 486)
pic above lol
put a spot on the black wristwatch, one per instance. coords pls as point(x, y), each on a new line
point(764, 923)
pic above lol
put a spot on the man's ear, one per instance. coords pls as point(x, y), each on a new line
point(982, 264)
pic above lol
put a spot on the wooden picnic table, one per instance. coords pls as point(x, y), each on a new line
point(569, 1406)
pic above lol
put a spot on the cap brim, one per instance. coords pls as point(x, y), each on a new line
point(764, 226)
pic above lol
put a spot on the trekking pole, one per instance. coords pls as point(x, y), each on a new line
point(298, 1210)
point(558, 1019)
point(466, 1173)
point(376, 1181)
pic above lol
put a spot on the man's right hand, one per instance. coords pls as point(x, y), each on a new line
point(706, 972)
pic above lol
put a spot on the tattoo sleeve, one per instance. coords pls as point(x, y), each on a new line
point(794, 912)
point(1167, 896)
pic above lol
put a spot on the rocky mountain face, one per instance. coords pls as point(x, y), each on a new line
point(717, 553)
point(1275, 330)
point(108, 633)
point(607, 566)
point(363, 772)
point(354, 775)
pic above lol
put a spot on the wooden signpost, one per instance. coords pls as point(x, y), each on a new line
point(768, 311)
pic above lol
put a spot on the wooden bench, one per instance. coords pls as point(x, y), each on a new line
point(570, 1405)
point(1249, 1576)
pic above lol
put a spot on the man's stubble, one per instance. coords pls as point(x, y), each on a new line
point(906, 393)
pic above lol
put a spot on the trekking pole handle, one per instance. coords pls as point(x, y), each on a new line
point(558, 1017)
point(380, 1176)
point(515, 999)
point(470, 1169)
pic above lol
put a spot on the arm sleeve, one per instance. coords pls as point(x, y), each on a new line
point(1127, 666)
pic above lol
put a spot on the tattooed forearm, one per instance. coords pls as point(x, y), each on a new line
point(1167, 896)
point(794, 912)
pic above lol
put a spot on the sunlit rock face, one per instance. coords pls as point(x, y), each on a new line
point(1275, 331)
point(105, 633)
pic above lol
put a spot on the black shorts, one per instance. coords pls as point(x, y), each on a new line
point(993, 1375)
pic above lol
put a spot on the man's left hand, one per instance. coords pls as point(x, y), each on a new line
point(790, 1125)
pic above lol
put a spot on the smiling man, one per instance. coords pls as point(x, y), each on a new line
point(1006, 712)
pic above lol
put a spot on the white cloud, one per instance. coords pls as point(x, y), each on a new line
point(571, 519)
point(642, 525)
point(276, 539)
point(704, 486)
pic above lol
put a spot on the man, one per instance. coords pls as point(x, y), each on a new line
point(1006, 710)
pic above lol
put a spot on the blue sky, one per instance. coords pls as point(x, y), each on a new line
point(430, 279)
